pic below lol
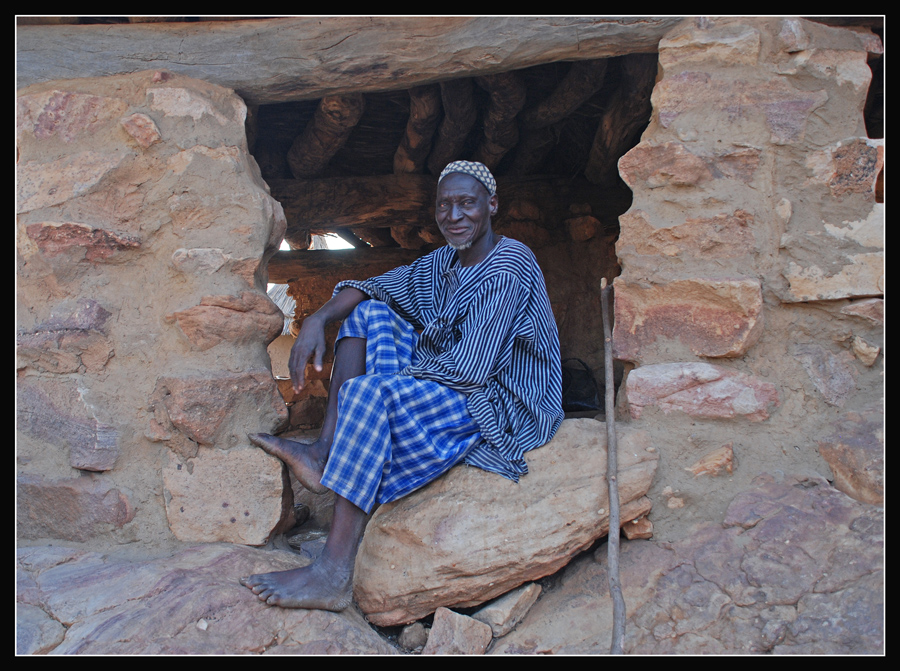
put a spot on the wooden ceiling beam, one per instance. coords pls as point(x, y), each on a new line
point(306, 58)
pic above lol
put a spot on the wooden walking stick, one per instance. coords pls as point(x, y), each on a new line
point(612, 544)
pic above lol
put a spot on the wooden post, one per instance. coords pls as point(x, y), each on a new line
point(612, 544)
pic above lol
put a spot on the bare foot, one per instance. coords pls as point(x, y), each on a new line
point(319, 586)
point(299, 457)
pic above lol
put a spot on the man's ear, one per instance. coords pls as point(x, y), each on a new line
point(494, 203)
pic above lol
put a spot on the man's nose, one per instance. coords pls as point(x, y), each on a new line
point(456, 212)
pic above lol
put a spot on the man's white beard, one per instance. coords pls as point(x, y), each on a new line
point(461, 247)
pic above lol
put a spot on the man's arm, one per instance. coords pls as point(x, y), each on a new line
point(310, 343)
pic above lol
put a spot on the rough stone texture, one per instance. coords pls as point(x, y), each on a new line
point(73, 509)
point(231, 319)
point(870, 309)
point(855, 453)
point(455, 634)
point(413, 636)
point(187, 602)
point(850, 272)
point(716, 462)
point(231, 496)
point(864, 350)
point(74, 339)
point(506, 612)
point(699, 390)
point(205, 409)
point(720, 236)
point(642, 527)
point(832, 375)
point(714, 318)
point(471, 536)
point(58, 414)
point(796, 568)
point(137, 199)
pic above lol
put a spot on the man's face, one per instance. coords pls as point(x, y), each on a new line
point(463, 210)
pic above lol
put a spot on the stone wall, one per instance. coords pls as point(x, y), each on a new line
point(143, 231)
point(749, 306)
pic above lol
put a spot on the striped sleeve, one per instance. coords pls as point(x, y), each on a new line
point(487, 337)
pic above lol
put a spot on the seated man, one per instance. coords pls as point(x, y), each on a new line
point(480, 385)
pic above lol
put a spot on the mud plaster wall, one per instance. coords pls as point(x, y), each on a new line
point(752, 263)
point(143, 232)
point(751, 276)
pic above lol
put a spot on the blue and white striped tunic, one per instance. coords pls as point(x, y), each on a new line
point(488, 332)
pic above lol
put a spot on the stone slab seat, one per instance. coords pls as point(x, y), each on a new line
point(471, 536)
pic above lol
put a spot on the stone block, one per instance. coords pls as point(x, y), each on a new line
point(711, 43)
point(713, 318)
point(715, 463)
point(699, 390)
point(641, 528)
point(471, 536)
point(832, 375)
point(218, 409)
point(82, 241)
point(506, 612)
point(855, 453)
point(455, 634)
point(73, 339)
point(774, 107)
point(250, 317)
point(42, 184)
point(835, 262)
point(667, 164)
point(73, 509)
point(722, 236)
point(65, 115)
point(869, 309)
point(142, 128)
point(231, 496)
point(54, 412)
point(796, 568)
point(865, 351)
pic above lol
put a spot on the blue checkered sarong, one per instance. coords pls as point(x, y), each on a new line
point(395, 433)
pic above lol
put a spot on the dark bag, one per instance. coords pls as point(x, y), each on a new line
point(580, 391)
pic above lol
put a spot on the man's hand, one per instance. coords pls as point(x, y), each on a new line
point(310, 344)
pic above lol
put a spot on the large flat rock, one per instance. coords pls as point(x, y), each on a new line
point(796, 567)
point(189, 602)
point(471, 535)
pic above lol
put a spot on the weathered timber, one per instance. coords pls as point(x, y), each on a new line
point(408, 237)
point(390, 201)
point(460, 115)
point(424, 114)
point(373, 236)
point(306, 58)
point(501, 132)
point(582, 81)
point(340, 264)
point(626, 116)
point(533, 148)
point(330, 204)
point(325, 134)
